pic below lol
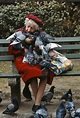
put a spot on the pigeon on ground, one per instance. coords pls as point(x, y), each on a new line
point(32, 116)
point(70, 108)
point(27, 93)
point(0, 96)
point(77, 113)
point(67, 96)
point(12, 107)
point(47, 97)
point(0, 99)
point(41, 113)
point(61, 111)
point(69, 103)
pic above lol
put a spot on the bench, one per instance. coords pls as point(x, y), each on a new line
point(13, 76)
point(70, 47)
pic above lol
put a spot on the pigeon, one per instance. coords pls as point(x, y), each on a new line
point(41, 113)
point(67, 96)
point(47, 97)
point(77, 113)
point(32, 116)
point(12, 107)
point(51, 46)
point(27, 93)
point(69, 103)
point(61, 111)
point(0, 99)
point(70, 107)
point(0, 96)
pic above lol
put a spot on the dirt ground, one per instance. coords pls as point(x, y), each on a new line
point(62, 84)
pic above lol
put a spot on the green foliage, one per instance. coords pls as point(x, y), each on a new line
point(61, 19)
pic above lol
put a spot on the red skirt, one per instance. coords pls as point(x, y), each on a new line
point(28, 71)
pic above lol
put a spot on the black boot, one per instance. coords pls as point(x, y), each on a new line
point(27, 92)
point(35, 107)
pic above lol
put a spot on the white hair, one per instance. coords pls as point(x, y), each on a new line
point(30, 21)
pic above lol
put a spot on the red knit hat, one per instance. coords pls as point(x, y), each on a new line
point(35, 19)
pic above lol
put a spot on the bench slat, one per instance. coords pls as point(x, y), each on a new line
point(7, 58)
point(3, 49)
point(4, 41)
point(70, 73)
point(64, 47)
point(66, 39)
point(57, 40)
point(69, 47)
point(9, 75)
point(11, 57)
point(73, 56)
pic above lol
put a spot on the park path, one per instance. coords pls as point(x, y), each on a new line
point(62, 85)
point(25, 109)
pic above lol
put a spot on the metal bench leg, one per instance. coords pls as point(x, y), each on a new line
point(16, 89)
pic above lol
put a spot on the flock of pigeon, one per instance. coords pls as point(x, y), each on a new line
point(66, 108)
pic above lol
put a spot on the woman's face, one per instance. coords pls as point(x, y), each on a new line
point(31, 27)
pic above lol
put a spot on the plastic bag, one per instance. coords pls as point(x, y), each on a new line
point(59, 61)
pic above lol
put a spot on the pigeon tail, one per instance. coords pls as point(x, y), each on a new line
point(0, 99)
point(27, 93)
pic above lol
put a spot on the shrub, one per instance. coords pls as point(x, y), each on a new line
point(61, 19)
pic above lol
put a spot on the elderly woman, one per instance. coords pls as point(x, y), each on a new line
point(23, 42)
